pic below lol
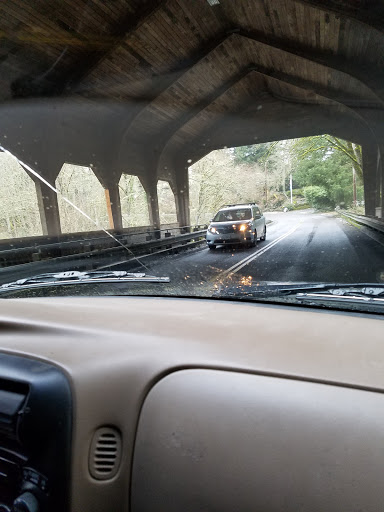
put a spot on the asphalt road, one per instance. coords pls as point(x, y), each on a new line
point(301, 246)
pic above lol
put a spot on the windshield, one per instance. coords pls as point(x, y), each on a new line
point(233, 215)
point(126, 126)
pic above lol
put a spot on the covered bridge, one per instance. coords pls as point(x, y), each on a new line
point(147, 87)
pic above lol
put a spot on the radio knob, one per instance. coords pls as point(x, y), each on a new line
point(26, 502)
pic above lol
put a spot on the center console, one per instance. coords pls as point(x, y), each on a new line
point(35, 436)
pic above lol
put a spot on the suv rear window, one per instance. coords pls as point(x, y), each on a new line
point(233, 215)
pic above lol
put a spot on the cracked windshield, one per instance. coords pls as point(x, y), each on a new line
point(153, 155)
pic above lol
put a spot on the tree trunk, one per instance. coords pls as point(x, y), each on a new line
point(357, 152)
point(354, 184)
point(266, 182)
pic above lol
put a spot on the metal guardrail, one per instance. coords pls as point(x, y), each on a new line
point(138, 243)
point(376, 224)
point(178, 244)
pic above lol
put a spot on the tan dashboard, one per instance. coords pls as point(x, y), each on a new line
point(214, 405)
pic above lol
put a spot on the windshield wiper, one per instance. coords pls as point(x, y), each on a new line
point(367, 294)
point(362, 294)
point(352, 290)
point(75, 277)
point(282, 289)
point(358, 296)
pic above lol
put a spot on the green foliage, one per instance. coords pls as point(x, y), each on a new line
point(316, 196)
point(296, 205)
point(254, 153)
point(328, 144)
point(329, 169)
point(301, 206)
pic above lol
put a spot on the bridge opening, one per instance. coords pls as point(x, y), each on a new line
point(167, 204)
point(19, 211)
point(81, 186)
point(133, 199)
point(322, 172)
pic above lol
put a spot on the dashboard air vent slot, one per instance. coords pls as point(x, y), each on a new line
point(105, 453)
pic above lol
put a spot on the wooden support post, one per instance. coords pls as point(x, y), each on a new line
point(370, 162)
point(380, 182)
point(382, 190)
point(48, 209)
point(150, 187)
point(180, 189)
point(112, 198)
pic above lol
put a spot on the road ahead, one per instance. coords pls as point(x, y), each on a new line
point(301, 246)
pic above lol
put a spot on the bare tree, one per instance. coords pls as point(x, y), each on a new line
point(217, 179)
point(167, 205)
point(19, 212)
point(81, 186)
point(134, 206)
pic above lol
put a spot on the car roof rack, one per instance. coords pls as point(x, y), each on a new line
point(251, 203)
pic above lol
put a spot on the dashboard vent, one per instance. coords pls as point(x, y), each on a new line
point(105, 453)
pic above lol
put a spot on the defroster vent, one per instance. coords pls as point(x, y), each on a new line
point(105, 453)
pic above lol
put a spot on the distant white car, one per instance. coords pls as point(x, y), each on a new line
point(237, 224)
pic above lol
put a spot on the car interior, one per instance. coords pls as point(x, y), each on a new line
point(153, 404)
point(175, 403)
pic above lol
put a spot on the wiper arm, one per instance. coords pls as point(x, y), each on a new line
point(75, 277)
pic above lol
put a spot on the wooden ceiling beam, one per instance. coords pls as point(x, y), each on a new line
point(194, 151)
point(321, 58)
point(291, 81)
point(367, 12)
point(327, 60)
point(55, 84)
point(170, 79)
point(126, 25)
point(367, 74)
point(200, 107)
point(327, 93)
point(364, 73)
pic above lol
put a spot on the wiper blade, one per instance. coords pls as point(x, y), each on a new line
point(363, 291)
point(75, 277)
point(363, 294)
point(373, 303)
point(302, 290)
point(358, 296)
point(285, 289)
